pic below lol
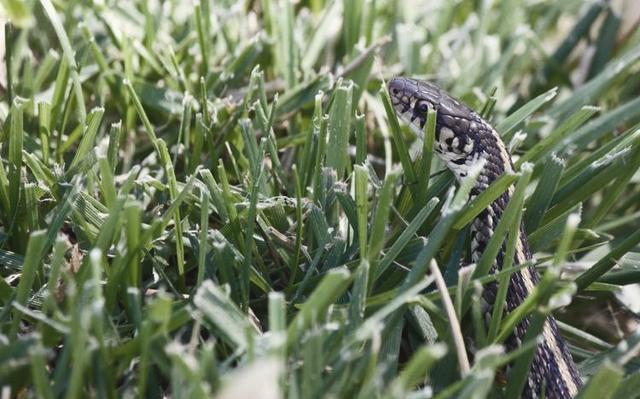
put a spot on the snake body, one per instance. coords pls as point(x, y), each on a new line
point(463, 138)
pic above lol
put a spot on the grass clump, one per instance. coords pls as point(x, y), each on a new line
point(218, 199)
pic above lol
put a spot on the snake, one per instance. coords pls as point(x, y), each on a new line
point(463, 140)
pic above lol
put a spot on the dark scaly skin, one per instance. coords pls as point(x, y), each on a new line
point(462, 138)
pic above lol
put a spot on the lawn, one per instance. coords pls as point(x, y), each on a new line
point(215, 198)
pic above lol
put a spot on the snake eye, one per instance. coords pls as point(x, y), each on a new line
point(422, 107)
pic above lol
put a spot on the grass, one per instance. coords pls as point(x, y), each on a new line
point(218, 199)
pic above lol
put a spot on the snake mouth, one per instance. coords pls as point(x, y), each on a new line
point(401, 99)
point(398, 93)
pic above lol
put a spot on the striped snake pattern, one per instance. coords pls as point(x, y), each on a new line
point(462, 139)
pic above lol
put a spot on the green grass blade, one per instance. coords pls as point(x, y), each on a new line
point(32, 260)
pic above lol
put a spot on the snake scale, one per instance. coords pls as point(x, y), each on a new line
point(462, 139)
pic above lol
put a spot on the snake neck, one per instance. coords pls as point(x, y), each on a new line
point(460, 153)
point(553, 366)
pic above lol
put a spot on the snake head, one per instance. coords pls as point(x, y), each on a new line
point(460, 132)
point(412, 99)
point(458, 127)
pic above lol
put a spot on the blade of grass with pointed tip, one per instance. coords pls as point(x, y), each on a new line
point(88, 135)
point(479, 203)
point(15, 160)
point(361, 185)
point(396, 134)
point(223, 315)
point(339, 129)
point(33, 258)
point(540, 149)
point(379, 221)
point(406, 235)
point(542, 196)
point(424, 167)
point(332, 285)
